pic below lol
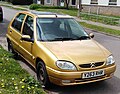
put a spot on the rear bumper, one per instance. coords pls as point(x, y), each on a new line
point(74, 78)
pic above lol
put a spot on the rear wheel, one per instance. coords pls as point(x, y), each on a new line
point(1, 17)
point(42, 74)
point(10, 49)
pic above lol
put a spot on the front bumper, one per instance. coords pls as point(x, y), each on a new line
point(74, 78)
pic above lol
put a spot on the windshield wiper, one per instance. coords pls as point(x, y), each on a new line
point(83, 38)
point(68, 39)
point(62, 39)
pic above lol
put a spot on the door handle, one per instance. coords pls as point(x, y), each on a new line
point(10, 31)
point(21, 40)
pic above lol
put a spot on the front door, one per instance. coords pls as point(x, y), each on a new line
point(28, 29)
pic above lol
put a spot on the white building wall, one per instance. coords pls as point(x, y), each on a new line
point(86, 2)
point(118, 2)
point(103, 2)
point(100, 2)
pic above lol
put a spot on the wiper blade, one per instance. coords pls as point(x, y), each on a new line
point(83, 37)
point(62, 39)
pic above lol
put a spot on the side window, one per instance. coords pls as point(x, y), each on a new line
point(28, 27)
point(17, 23)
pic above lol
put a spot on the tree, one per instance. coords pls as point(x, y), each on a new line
point(67, 4)
point(42, 2)
point(80, 8)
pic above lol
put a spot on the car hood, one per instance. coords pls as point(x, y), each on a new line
point(78, 52)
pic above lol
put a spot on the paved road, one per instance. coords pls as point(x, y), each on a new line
point(111, 86)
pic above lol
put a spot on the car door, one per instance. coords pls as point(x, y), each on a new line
point(28, 29)
point(15, 31)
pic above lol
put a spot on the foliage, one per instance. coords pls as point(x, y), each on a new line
point(15, 80)
point(38, 6)
point(34, 6)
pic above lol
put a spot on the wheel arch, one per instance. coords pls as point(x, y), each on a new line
point(37, 60)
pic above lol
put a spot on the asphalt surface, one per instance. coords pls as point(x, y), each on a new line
point(111, 86)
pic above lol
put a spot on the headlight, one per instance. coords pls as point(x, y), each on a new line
point(110, 60)
point(65, 65)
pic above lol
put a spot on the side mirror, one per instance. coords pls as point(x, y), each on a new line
point(26, 38)
point(91, 35)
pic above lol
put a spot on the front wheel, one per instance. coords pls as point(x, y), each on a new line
point(42, 75)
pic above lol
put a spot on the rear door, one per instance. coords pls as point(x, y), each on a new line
point(15, 30)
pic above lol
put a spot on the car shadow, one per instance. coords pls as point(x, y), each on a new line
point(103, 87)
point(110, 86)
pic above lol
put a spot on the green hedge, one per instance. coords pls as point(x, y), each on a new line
point(37, 6)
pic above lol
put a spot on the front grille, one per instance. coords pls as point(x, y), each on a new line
point(91, 65)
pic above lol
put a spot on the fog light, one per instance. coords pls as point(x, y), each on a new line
point(66, 81)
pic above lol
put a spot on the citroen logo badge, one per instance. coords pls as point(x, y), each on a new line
point(92, 65)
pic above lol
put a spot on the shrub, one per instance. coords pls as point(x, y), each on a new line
point(37, 6)
point(34, 6)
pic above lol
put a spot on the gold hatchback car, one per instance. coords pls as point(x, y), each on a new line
point(59, 49)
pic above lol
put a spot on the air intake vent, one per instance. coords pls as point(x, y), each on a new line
point(91, 65)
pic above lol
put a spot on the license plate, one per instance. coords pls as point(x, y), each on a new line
point(93, 74)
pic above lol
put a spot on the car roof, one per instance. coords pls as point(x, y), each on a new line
point(48, 14)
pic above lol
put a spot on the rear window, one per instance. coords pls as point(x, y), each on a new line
point(17, 23)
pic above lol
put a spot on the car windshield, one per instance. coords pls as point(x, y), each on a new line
point(59, 29)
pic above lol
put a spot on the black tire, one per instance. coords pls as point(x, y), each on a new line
point(10, 49)
point(1, 18)
point(42, 75)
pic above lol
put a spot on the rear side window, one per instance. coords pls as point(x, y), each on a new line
point(17, 23)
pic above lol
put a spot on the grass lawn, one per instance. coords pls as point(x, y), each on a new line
point(61, 11)
point(14, 79)
point(101, 29)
